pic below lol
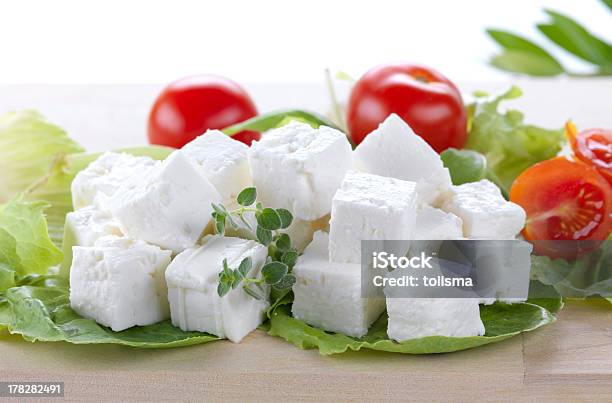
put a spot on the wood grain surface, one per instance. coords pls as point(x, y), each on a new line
point(570, 360)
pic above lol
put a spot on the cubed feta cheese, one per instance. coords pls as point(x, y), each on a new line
point(83, 228)
point(435, 224)
point(413, 318)
point(484, 211)
point(120, 286)
point(222, 160)
point(170, 206)
point(300, 168)
point(370, 207)
point(104, 176)
point(193, 278)
point(509, 268)
point(328, 295)
point(394, 150)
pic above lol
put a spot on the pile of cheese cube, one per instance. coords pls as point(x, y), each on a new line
point(400, 190)
point(144, 249)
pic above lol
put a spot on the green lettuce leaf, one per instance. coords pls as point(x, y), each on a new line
point(510, 145)
point(54, 186)
point(25, 247)
point(44, 314)
point(501, 321)
point(28, 147)
point(7, 277)
point(467, 166)
point(589, 275)
point(267, 121)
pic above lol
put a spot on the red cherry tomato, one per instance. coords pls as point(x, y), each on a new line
point(188, 107)
point(429, 102)
point(592, 146)
point(564, 200)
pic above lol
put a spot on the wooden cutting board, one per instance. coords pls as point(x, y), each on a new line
point(570, 360)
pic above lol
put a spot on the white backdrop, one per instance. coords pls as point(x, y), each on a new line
point(277, 49)
point(132, 41)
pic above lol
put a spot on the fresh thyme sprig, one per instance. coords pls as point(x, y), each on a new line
point(276, 272)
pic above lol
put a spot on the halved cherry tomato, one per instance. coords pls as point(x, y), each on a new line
point(564, 200)
point(593, 146)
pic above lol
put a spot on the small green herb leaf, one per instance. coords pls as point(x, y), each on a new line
point(285, 283)
point(219, 209)
point(247, 197)
point(223, 288)
point(269, 219)
point(236, 278)
point(245, 266)
point(285, 216)
point(220, 225)
point(264, 236)
point(252, 293)
point(289, 258)
point(273, 272)
point(283, 243)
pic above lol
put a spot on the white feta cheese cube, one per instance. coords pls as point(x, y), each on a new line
point(394, 150)
point(83, 228)
point(328, 295)
point(370, 207)
point(104, 176)
point(193, 278)
point(413, 318)
point(484, 211)
point(120, 286)
point(300, 168)
point(435, 224)
point(170, 206)
point(222, 160)
point(508, 265)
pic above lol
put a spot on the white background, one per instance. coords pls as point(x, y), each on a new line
point(94, 68)
point(131, 41)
